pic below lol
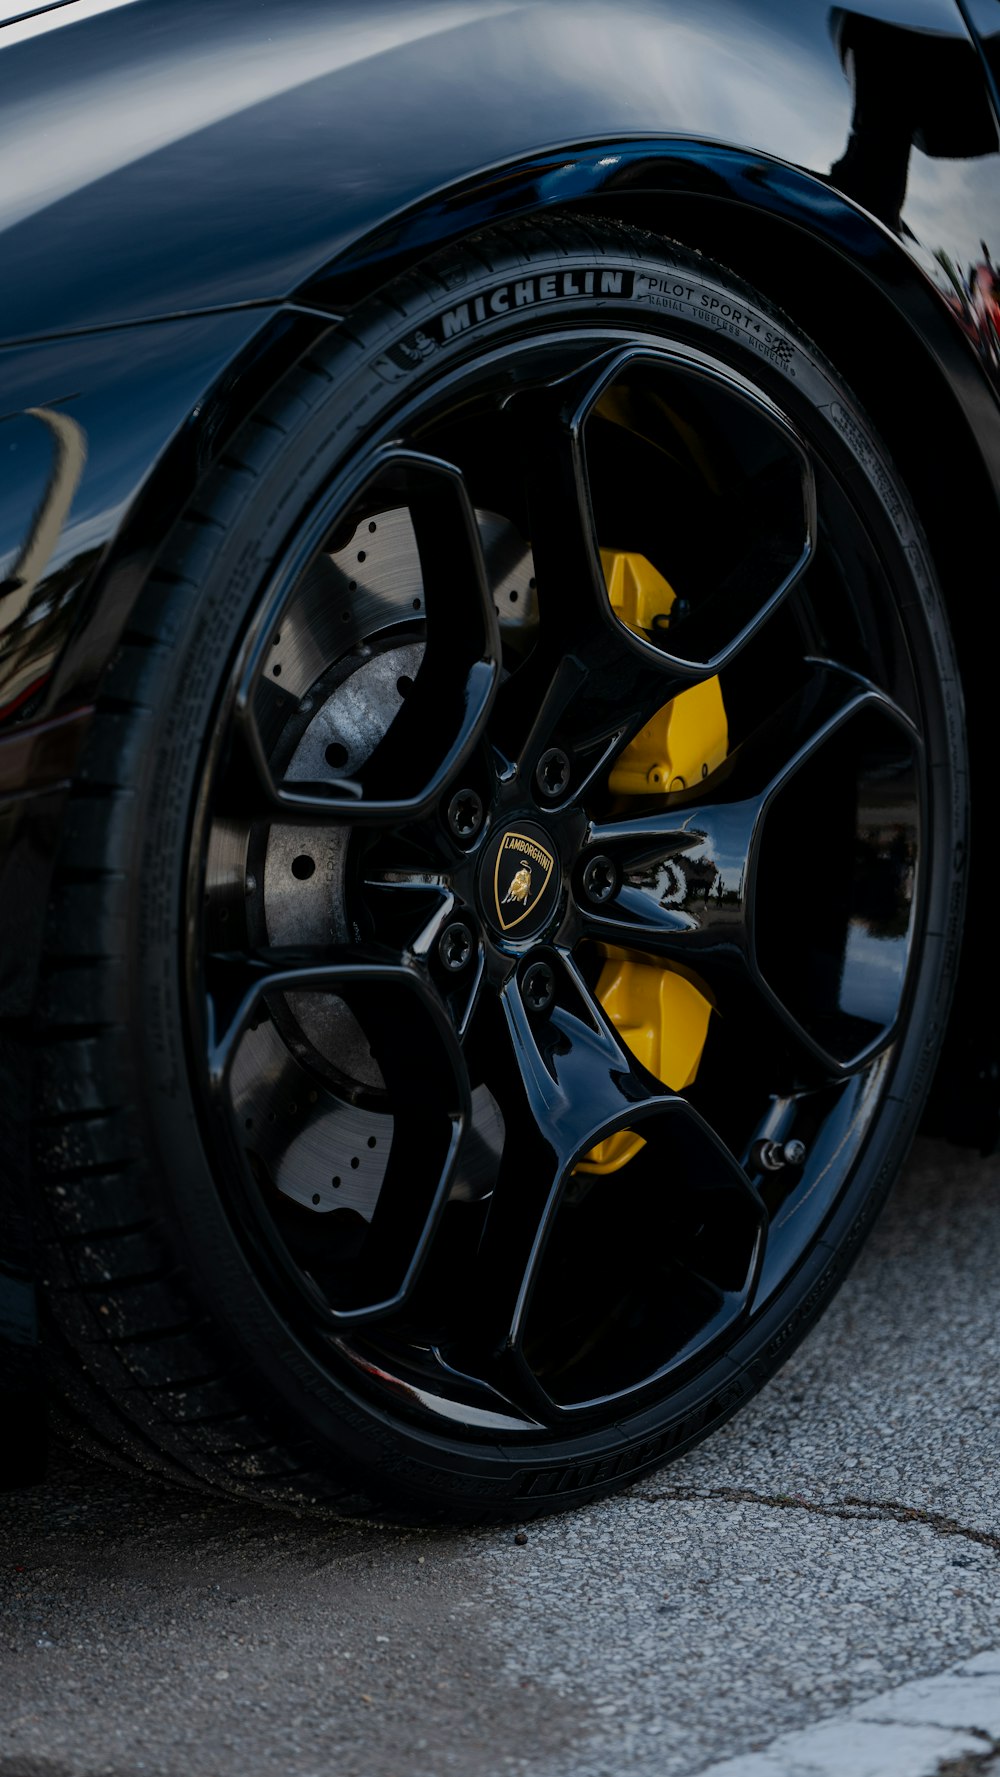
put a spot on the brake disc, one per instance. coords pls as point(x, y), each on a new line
point(346, 622)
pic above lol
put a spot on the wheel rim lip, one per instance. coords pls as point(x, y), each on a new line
point(339, 489)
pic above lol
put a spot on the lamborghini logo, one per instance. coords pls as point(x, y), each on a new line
point(520, 878)
point(520, 887)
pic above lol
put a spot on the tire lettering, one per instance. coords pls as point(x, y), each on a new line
point(660, 292)
point(453, 321)
point(410, 351)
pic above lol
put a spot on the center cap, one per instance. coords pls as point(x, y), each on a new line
point(519, 880)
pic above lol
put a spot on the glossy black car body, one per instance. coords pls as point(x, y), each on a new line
point(194, 190)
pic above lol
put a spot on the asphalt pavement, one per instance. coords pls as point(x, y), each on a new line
point(814, 1590)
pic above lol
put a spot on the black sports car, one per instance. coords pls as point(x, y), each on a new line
point(497, 506)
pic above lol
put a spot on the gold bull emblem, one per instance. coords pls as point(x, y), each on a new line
point(520, 887)
point(522, 873)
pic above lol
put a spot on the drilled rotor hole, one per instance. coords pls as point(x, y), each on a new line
point(315, 1196)
point(371, 524)
point(355, 1162)
point(417, 604)
point(372, 1141)
point(513, 597)
point(361, 555)
point(277, 638)
point(335, 1182)
point(303, 866)
point(276, 671)
point(336, 754)
point(404, 684)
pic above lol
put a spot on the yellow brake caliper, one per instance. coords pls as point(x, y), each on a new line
point(664, 1020)
point(658, 1012)
point(689, 736)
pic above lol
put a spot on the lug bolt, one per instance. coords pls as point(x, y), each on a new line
point(538, 985)
point(465, 814)
point(599, 879)
point(455, 946)
point(552, 772)
point(771, 1156)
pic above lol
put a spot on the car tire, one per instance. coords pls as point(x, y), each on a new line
point(248, 993)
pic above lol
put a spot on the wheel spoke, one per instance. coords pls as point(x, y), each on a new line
point(733, 529)
point(569, 1081)
point(686, 878)
point(573, 1084)
point(441, 718)
point(591, 682)
point(237, 982)
point(575, 1073)
point(708, 848)
point(548, 426)
point(595, 677)
point(409, 908)
point(420, 1061)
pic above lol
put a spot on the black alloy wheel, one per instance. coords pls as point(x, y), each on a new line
point(552, 703)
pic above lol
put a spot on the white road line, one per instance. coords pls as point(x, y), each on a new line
point(905, 1732)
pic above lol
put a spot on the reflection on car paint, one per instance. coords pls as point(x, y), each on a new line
point(251, 179)
point(21, 611)
point(72, 464)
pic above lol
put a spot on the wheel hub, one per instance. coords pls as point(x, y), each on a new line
point(520, 881)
